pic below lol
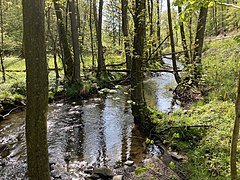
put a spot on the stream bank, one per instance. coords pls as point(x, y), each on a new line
point(87, 134)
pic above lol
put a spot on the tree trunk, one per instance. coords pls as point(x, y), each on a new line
point(37, 90)
point(125, 33)
point(68, 63)
point(199, 44)
point(139, 109)
point(158, 22)
point(54, 42)
point(190, 40)
point(150, 16)
point(235, 135)
point(174, 63)
point(2, 50)
point(101, 63)
point(75, 41)
point(183, 37)
point(91, 33)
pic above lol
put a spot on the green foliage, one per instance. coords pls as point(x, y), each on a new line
point(206, 147)
point(220, 65)
point(172, 165)
point(142, 169)
point(149, 141)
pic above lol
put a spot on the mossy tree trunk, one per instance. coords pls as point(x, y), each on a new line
point(139, 107)
point(67, 60)
point(37, 89)
point(198, 45)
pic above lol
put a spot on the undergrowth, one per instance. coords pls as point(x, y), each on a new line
point(203, 132)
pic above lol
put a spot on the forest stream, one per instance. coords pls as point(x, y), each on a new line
point(95, 132)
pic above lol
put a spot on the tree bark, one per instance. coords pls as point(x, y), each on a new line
point(91, 33)
point(139, 109)
point(101, 63)
point(37, 90)
point(174, 63)
point(2, 50)
point(199, 44)
point(125, 33)
point(235, 134)
point(68, 63)
point(75, 41)
point(183, 37)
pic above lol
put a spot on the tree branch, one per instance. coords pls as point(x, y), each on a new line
point(229, 5)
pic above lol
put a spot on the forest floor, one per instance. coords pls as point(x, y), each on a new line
point(202, 132)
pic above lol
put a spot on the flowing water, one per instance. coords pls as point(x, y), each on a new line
point(97, 132)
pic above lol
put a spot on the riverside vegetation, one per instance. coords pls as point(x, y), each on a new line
point(201, 133)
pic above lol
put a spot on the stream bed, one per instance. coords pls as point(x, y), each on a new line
point(95, 132)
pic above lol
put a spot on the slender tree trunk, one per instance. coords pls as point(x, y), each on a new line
point(101, 63)
point(2, 50)
point(183, 37)
point(125, 33)
point(199, 44)
point(68, 63)
point(174, 61)
point(158, 24)
point(139, 109)
point(235, 135)
point(150, 17)
point(54, 44)
point(75, 41)
point(91, 33)
point(215, 24)
point(37, 90)
point(190, 39)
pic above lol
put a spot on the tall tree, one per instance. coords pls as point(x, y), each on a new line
point(139, 109)
point(67, 60)
point(75, 41)
point(198, 45)
point(98, 24)
point(235, 135)
point(91, 32)
point(37, 89)
point(174, 61)
point(125, 33)
point(183, 37)
point(2, 50)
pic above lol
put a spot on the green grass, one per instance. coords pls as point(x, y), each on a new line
point(207, 148)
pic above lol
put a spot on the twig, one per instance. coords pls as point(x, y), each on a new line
point(157, 48)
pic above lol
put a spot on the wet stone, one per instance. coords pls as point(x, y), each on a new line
point(94, 176)
point(129, 163)
point(103, 172)
point(88, 171)
point(118, 177)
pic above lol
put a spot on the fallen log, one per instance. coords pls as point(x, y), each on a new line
point(23, 70)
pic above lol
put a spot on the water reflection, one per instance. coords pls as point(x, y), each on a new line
point(98, 131)
point(158, 90)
